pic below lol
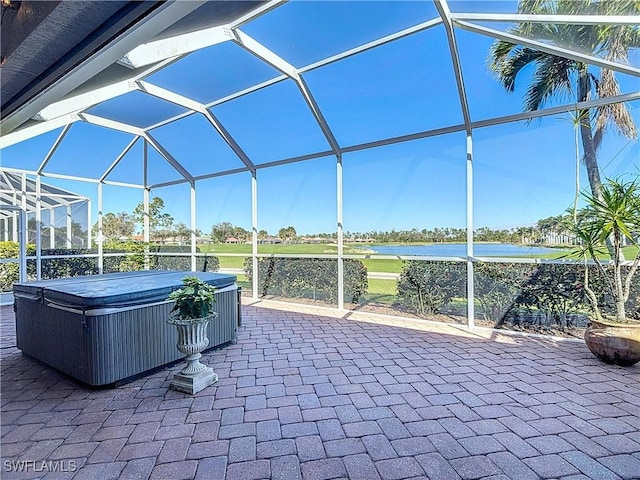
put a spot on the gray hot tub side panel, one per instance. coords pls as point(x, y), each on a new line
point(101, 349)
point(53, 337)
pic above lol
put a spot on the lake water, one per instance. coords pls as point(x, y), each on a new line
point(460, 250)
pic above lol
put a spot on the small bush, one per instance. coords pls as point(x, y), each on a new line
point(9, 272)
point(497, 286)
point(555, 292)
point(427, 287)
point(64, 267)
point(315, 278)
point(132, 259)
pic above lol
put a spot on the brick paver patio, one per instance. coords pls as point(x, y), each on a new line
point(308, 396)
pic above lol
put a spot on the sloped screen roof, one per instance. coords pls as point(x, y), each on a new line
point(12, 186)
point(226, 87)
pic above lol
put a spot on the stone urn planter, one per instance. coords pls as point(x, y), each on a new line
point(191, 315)
point(615, 343)
point(192, 339)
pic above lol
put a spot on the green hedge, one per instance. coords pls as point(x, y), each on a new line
point(78, 266)
point(64, 267)
point(510, 294)
point(127, 263)
point(428, 287)
point(551, 295)
point(10, 272)
point(315, 278)
point(497, 285)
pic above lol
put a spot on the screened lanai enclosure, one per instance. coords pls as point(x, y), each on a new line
point(316, 148)
point(57, 209)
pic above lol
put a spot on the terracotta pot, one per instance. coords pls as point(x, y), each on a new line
point(615, 343)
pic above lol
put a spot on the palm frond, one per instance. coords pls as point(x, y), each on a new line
point(508, 66)
point(558, 77)
point(552, 78)
point(615, 115)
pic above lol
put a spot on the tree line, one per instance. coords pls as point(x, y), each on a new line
point(163, 229)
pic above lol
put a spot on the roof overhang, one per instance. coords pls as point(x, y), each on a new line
point(49, 49)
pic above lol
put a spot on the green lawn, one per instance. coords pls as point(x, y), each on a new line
point(372, 264)
point(302, 248)
point(629, 253)
point(381, 291)
point(231, 262)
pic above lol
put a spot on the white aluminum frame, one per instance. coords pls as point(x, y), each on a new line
point(147, 58)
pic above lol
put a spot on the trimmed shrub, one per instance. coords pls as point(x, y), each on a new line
point(427, 287)
point(128, 263)
point(9, 272)
point(78, 266)
point(497, 287)
point(315, 278)
point(64, 267)
point(554, 294)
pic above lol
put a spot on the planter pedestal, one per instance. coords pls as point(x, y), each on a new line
point(192, 384)
point(192, 339)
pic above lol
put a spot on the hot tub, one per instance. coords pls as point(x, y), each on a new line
point(106, 329)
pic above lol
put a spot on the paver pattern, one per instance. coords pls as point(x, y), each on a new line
point(308, 396)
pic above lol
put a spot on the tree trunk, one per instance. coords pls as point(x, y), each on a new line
point(590, 159)
point(617, 271)
point(586, 134)
point(588, 146)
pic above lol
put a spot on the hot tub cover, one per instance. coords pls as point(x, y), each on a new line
point(115, 289)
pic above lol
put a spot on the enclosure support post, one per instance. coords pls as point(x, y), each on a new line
point(193, 227)
point(52, 228)
point(20, 225)
point(89, 243)
point(254, 234)
point(22, 253)
point(69, 226)
point(471, 314)
point(5, 229)
point(145, 221)
point(14, 224)
point(38, 228)
point(100, 238)
point(24, 225)
point(340, 233)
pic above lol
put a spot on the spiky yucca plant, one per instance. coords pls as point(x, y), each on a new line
point(611, 217)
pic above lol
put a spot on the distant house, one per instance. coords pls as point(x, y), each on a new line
point(232, 240)
point(204, 239)
point(269, 240)
point(316, 240)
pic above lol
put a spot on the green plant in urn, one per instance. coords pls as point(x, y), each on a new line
point(191, 313)
point(194, 300)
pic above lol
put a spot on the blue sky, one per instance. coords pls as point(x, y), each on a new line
point(522, 172)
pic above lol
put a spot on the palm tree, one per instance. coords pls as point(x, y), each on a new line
point(555, 76)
